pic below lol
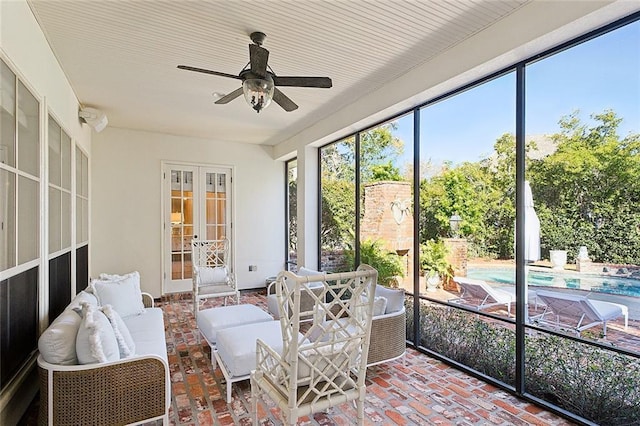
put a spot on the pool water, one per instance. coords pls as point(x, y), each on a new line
point(596, 283)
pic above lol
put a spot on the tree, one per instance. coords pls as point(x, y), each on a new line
point(589, 189)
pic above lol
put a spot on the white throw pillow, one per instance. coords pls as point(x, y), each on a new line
point(215, 275)
point(115, 277)
point(379, 305)
point(394, 296)
point(95, 341)
point(123, 336)
point(123, 295)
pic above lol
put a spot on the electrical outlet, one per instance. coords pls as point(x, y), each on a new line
point(253, 268)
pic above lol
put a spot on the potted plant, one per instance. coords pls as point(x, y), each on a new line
point(433, 263)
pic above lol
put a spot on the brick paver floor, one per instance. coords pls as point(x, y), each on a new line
point(418, 391)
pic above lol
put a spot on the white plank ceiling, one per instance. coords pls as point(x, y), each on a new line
point(121, 56)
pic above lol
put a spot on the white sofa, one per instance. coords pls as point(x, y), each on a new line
point(131, 390)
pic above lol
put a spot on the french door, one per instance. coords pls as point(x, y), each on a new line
point(197, 205)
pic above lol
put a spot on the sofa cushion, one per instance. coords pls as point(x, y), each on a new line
point(394, 296)
point(147, 332)
point(57, 344)
point(379, 305)
point(126, 344)
point(123, 295)
point(96, 341)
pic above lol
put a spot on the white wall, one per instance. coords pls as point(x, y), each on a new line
point(126, 229)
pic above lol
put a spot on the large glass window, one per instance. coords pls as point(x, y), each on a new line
point(291, 199)
point(59, 188)
point(7, 167)
point(548, 193)
point(19, 186)
point(386, 200)
point(82, 197)
point(338, 208)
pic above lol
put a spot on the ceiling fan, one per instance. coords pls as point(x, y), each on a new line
point(259, 80)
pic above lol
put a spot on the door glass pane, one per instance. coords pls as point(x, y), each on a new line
point(176, 266)
point(28, 226)
point(28, 132)
point(54, 152)
point(7, 115)
point(7, 220)
point(182, 217)
point(54, 220)
point(65, 161)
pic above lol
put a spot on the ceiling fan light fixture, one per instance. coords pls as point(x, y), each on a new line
point(258, 92)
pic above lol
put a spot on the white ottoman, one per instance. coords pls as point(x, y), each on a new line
point(211, 321)
point(236, 349)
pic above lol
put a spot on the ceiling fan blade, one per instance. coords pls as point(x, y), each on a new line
point(322, 82)
point(228, 98)
point(258, 59)
point(202, 70)
point(282, 100)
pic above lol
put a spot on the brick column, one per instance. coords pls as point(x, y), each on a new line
point(458, 258)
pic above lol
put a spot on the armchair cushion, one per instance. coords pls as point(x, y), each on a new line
point(209, 275)
point(394, 296)
point(305, 272)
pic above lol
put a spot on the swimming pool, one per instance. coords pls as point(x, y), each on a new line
point(595, 283)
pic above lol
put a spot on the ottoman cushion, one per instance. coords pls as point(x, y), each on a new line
point(211, 321)
point(237, 346)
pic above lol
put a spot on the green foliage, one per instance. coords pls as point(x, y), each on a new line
point(433, 258)
point(378, 150)
point(591, 382)
point(385, 172)
point(388, 264)
point(587, 192)
point(338, 214)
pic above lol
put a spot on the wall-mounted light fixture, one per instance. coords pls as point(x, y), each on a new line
point(94, 117)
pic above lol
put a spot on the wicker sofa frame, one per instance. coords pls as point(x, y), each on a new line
point(131, 391)
point(388, 337)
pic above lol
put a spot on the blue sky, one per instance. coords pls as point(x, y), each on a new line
point(603, 73)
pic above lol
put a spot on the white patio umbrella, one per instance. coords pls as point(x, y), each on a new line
point(531, 227)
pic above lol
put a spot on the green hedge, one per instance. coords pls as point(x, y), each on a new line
point(594, 383)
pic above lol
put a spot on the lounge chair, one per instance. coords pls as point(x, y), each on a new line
point(479, 295)
point(578, 312)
